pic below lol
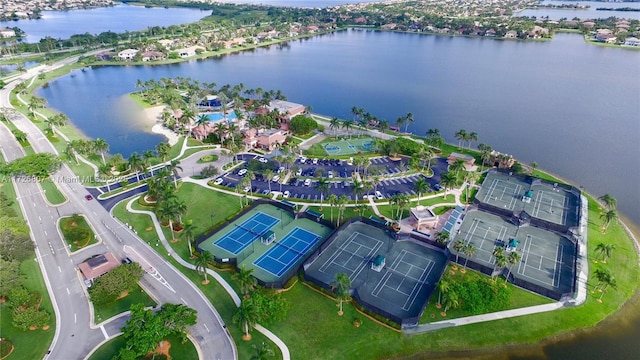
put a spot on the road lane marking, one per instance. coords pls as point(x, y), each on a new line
point(39, 218)
point(205, 326)
point(104, 332)
point(45, 233)
point(75, 318)
point(94, 213)
point(59, 269)
point(68, 292)
point(184, 301)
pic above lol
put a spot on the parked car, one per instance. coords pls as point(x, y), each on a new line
point(263, 160)
point(438, 187)
point(281, 169)
point(247, 189)
point(303, 160)
point(275, 178)
point(330, 174)
point(379, 195)
point(307, 182)
point(265, 192)
point(286, 194)
point(126, 261)
point(218, 181)
point(242, 172)
point(299, 172)
point(315, 161)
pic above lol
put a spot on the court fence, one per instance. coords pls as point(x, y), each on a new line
point(402, 322)
point(240, 257)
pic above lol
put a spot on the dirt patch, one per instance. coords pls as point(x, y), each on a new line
point(149, 228)
point(162, 349)
point(123, 294)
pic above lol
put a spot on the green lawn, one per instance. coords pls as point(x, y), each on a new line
point(136, 296)
point(67, 226)
point(29, 344)
point(177, 351)
point(519, 298)
point(53, 194)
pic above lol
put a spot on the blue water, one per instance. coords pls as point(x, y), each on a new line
point(584, 14)
point(215, 117)
point(63, 24)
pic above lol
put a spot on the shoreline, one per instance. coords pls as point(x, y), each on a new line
point(152, 115)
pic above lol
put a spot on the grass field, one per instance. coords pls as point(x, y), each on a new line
point(53, 194)
point(29, 344)
point(67, 227)
point(177, 351)
point(135, 296)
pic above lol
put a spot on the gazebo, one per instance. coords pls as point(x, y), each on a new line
point(378, 263)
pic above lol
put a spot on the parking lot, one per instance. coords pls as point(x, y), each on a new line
point(338, 172)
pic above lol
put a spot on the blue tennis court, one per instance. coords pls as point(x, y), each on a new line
point(285, 253)
point(244, 234)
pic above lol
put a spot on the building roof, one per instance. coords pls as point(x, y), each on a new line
point(423, 213)
point(378, 260)
point(98, 265)
point(461, 156)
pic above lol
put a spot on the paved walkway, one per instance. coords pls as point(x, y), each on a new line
point(236, 299)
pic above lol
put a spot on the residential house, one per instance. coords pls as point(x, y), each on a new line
point(631, 41)
point(189, 51)
point(104, 55)
point(153, 56)
point(7, 33)
point(127, 54)
point(468, 160)
point(388, 26)
point(511, 34)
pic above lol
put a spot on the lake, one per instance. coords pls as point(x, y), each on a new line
point(63, 24)
point(583, 14)
point(572, 107)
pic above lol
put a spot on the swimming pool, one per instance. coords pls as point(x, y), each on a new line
point(215, 117)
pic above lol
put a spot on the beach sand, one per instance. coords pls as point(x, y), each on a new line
point(153, 115)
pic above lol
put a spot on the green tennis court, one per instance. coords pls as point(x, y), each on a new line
point(349, 146)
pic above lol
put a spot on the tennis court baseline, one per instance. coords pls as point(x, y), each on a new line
point(352, 256)
point(244, 234)
point(286, 252)
point(504, 192)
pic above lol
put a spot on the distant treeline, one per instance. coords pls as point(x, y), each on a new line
point(619, 9)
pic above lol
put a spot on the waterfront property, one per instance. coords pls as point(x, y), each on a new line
point(269, 238)
point(389, 277)
point(538, 220)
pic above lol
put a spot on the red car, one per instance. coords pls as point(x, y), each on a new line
point(88, 197)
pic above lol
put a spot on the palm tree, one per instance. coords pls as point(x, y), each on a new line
point(470, 177)
point(458, 246)
point(246, 281)
point(408, 119)
point(189, 233)
point(609, 201)
point(513, 258)
point(534, 166)
point(342, 285)
point(451, 300)
point(383, 125)
point(604, 251)
point(263, 352)
point(400, 121)
point(472, 136)
point(347, 125)
point(333, 201)
point(202, 263)
point(402, 203)
point(469, 251)
point(163, 150)
point(442, 237)
point(460, 135)
point(247, 317)
point(174, 167)
point(268, 174)
point(342, 202)
point(501, 260)
point(608, 217)
point(485, 153)
point(101, 146)
point(168, 210)
point(448, 181)
point(457, 166)
point(443, 288)
point(323, 186)
point(136, 164)
point(420, 186)
point(609, 282)
point(334, 125)
point(202, 121)
point(357, 189)
point(105, 170)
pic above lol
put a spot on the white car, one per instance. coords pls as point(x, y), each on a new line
point(379, 195)
point(263, 160)
point(218, 181)
point(303, 160)
point(307, 182)
point(275, 178)
point(299, 172)
point(330, 174)
point(350, 161)
point(315, 161)
point(286, 194)
point(247, 189)
point(281, 169)
point(242, 172)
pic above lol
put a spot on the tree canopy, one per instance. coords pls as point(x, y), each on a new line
point(40, 165)
point(301, 124)
point(108, 287)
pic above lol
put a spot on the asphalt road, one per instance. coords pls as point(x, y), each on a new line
point(74, 337)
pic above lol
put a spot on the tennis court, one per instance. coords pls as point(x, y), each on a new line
point(286, 252)
point(243, 234)
point(349, 146)
point(553, 204)
point(501, 192)
point(397, 289)
point(547, 259)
